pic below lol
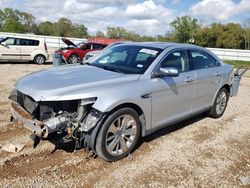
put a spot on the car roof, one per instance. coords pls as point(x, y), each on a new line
point(160, 45)
point(23, 37)
point(97, 43)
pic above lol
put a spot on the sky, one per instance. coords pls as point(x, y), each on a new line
point(146, 17)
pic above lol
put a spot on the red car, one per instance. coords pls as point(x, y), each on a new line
point(75, 53)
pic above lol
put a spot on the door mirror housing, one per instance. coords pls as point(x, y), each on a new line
point(3, 43)
point(168, 71)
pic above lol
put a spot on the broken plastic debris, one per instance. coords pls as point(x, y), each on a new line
point(13, 148)
point(130, 157)
point(245, 180)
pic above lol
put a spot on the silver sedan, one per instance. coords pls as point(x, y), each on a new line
point(126, 92)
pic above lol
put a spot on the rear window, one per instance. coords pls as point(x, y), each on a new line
point(28, 42)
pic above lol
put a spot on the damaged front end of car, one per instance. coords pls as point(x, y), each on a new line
point(74, 120)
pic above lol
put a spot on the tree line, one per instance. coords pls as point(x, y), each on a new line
point(22, 22)
point(183, 29)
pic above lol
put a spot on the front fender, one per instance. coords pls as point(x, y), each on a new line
point(144, 103)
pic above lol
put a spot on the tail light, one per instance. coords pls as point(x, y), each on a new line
point(45, 46)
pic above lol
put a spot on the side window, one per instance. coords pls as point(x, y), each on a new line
point(28, 42)
point(18, 41)
point(178, 60)
point(10, 41)
point(36, 42)
point(98, 46)
point(202, 60)
point(88, 46)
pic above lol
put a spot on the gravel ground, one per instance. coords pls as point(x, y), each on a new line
point(200, 152)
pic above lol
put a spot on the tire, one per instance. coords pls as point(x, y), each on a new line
point(39, 59)
point(73, 59)
point(220, 104)
point(116, 139)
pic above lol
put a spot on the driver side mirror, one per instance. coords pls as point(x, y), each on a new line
point(3, 43)
point(168, 71)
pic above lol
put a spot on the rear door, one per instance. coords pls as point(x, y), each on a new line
point(208, 78)
point(28, 46)
point(11, 50)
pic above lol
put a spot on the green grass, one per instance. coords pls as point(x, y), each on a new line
point(236, 64)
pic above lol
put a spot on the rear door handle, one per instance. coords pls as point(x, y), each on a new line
point(189, 79)
point(217, 74)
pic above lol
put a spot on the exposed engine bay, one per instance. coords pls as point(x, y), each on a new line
point(74, 120)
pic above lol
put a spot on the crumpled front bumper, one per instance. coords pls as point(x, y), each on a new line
point(20, 114)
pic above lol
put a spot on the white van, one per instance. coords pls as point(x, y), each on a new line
point(20, 49)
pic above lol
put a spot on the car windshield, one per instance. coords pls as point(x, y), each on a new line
point(128, 59)
point(79, 44)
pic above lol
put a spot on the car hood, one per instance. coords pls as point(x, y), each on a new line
point(70, 81)
point(68, 42)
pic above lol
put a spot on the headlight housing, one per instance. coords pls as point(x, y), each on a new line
point(87, 101)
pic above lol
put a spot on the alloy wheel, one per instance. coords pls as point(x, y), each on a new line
point(121, 135)
point(221, 102)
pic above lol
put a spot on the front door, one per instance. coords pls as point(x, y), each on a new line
point(173, 96)
point(10, 50)
point(85, 49)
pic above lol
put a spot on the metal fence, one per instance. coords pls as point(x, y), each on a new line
point(56, 42)
point(231, 54)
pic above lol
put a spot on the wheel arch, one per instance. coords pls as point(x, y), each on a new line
point(138, 110)
point(226, 86)
point(39, 54)
point(72, 54)
point(212, 112)
point(135, 107)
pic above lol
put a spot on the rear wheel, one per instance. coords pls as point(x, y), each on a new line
point(118, 135)
point(74, 59)
point(220, 104)
point(39, 59)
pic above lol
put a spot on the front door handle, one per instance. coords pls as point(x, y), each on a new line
point(217, 74)
point(189, 79)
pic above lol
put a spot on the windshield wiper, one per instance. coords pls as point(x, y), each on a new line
point(108, 68)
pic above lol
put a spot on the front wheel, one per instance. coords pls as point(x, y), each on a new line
point(39, 59)
point(220, 104)
point(74, 59)
point(118, 135)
